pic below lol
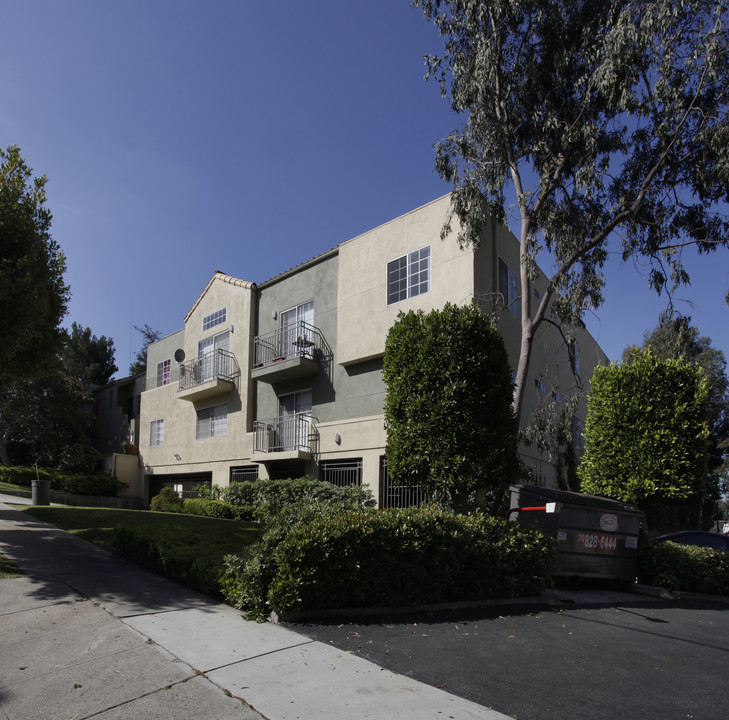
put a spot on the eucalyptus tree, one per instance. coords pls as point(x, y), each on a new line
point(604, 122)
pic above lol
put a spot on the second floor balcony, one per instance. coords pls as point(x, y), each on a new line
point(286, 437)
point(211, 374)
point(292, 351)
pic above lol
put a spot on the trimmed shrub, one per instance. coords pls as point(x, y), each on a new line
point(684, 567)
point(185, 564)
point(267, 499)
point(450, 423)
point(166, 501)
point(215, 509)
point(338, 559)
point(646, 431)
point(22, 475)
point(71, 483)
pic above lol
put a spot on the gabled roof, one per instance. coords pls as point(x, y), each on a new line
point(223, 278)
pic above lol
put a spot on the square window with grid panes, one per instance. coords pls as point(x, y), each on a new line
point(408, 276)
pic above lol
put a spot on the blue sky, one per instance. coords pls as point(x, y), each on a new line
point(180, 138)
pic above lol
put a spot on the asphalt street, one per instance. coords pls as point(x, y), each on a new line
point(639, 658)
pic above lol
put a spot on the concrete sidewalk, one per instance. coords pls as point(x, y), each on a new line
point(86, 634)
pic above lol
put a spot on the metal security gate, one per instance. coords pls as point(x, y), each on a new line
point(342, 473)
point(244, 473)
point(183, 485)
point(398, 496)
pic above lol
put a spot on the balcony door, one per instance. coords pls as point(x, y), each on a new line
point(294, 421)
point(208, 356)
point(296, 339)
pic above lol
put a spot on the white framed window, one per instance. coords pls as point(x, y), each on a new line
point(164, 370)
point(216, 318)
point(157, 433)
point(221, 341)
point(408, 276)
point(509, 288)
point(212, 422)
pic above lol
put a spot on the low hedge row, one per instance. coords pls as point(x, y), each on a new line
point(63, 482)
point(169, 501)
point(378, 558)
point(684, 567)
point(266, 499)
point(186, 563)
point(216, 509)
point(261, 500)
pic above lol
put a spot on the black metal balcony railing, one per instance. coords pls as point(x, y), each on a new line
point(215, 365)
point(299, 339)
point(285, 434)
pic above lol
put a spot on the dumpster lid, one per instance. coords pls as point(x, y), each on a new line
point(568, 497)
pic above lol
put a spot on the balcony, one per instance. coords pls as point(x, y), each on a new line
point(292, 437)
point(212, 374)
point(293, 351)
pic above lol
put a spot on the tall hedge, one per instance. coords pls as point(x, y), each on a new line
point(450, 424)
point(646, 431)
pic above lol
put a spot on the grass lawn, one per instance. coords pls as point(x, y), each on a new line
point(189, 548)
point(10, 486)
point(8, 569)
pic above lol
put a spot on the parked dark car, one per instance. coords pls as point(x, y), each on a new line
point(698, 538)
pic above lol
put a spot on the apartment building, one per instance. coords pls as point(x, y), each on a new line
point(284, 378)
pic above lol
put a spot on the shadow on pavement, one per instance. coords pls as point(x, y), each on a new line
point(57, 560)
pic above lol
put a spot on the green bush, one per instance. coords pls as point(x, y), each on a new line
point(450, 423)
point(684, 567)
point(262, 500)
point(329, 558)
point(266, 499)
point(71, 483)
point(188, 564)
point(215, 509)
point(166, 501)
point(21, 475)
point(646, 431)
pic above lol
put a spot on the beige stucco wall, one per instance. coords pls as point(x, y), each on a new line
point(126, 468)
point(217, 453)
point(364, 318)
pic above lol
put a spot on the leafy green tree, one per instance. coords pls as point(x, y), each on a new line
point(604, 122)
point(646, 431)
point(86, 358)
point(450, 424)
point(676, 338)
point(50, 421)
point(140, 359)
point(33, 295)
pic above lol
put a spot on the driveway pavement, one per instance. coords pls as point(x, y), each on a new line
point(86, 635)
point(619, 655)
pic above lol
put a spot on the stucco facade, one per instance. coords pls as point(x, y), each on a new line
point(284, 378)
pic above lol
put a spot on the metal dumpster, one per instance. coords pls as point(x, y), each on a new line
point(596, 537)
